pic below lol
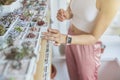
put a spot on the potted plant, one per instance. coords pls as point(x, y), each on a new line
point(53, 71)
point(8, 6)
point(6, 2)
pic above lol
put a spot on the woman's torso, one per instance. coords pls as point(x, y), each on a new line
point(84, 14)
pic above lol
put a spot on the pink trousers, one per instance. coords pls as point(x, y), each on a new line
point(83, 61)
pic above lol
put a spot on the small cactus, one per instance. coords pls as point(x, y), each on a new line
point(2, 30)
point(10, 41)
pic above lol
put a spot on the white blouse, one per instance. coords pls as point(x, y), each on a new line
point(84, 14)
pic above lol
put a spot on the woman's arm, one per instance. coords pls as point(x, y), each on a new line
point(108, 10)
point(69, 12)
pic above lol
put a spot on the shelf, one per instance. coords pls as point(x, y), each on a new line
point(32, 54)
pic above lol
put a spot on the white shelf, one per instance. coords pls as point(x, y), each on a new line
point(11, 26)
point(30, 71)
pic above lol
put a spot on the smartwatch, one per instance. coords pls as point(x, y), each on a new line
point(68, 39)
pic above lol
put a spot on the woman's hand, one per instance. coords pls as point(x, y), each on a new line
point(62, 15)
point(55, 35)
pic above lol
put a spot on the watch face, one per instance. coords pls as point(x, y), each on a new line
point(69, 39)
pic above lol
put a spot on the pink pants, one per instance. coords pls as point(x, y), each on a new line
point(83, 61)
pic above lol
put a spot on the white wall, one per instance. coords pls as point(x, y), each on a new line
point(110, 67)
point(112, 49)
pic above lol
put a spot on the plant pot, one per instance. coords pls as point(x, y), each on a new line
point(53, 71)
point(103, 48)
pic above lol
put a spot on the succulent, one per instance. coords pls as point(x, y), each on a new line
point(41, 22)
point(35, 19)
point(6, 2)
point(27, 13)
point(2, 2)
point(31, 35)
point(16, 65)
point(22, 54)
point(33, 29)
point(18, 29)
point(19, 53)
point(10, 41)
point(12, 54)
point(25, 51)
point(2, 30)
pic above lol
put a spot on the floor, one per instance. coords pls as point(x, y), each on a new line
point(109, 70)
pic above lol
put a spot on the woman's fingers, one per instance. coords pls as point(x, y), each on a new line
point(53, 35)
point(65, 15)
point(53, 30)
point(50, 34)
point(60, 18)
point(51, 38)
point(61, 15)
point(61, 11)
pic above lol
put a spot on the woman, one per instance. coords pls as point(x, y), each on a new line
point(89, 20)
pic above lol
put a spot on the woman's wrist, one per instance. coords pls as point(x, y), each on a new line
point(69, 14)
point(66, 39)
point(63, 38)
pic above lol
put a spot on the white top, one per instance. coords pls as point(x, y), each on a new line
point(84, 14)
